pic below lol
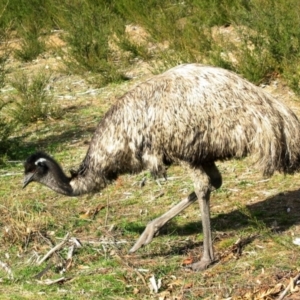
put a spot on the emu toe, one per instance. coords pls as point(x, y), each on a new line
point(201, 265)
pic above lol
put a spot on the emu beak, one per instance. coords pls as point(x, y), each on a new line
point(27, 179)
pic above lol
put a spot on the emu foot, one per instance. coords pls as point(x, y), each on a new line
point(151, 230)
point(201, 265)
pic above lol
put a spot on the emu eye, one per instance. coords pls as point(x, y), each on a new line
point(30, 170)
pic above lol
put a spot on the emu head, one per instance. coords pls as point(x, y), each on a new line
point(42, 168)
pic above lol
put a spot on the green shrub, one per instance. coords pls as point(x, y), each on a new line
point(6, 129)
point(90, 27)
point(95, 34)
point(29, 21)
point(291, 73)
point(32, 44)
point(267, 42)
point(185, 26)
point(273, 29)
point(254, 61)
point(32, 101)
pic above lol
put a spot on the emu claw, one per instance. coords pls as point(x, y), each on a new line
point(201, 265)
point(146, 237)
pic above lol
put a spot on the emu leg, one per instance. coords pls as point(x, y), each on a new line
point(154, 226)
point(214, 175)
point(206, 179)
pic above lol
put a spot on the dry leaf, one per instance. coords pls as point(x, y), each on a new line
point(91, 212)
point(165, 295)
point(174, 283)
point(266, 293)
point(187, 261)
point(188, 285)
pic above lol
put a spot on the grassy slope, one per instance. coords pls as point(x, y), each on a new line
point(264, 214)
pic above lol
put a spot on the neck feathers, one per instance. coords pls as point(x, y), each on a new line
point(86, 181)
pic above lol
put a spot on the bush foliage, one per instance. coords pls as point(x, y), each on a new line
point(262, 43)
point(267, 43)
point(32, 101)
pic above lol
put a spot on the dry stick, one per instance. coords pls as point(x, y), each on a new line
point(49, 281)
point(43, 272)
point(106, 215)
point(76, 244)
point(7, 269)
point(71, 252)
point(290, 285)
point(122, 260)
point(57, 247)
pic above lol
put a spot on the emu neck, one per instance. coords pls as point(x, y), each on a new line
point(56, 179)
point(87, 179)
point(87, 182)
point(62, 187)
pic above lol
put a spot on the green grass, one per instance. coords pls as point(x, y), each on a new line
point(264, 41)
point(256, 39)
point(102, 268)
point(32, 101)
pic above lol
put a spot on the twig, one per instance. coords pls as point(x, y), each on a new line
point(49, 281)
point(143, 182)
point(157, 181)
point(113, 243)
point(290, 285)
point(68, 262)
point(10, 174)
point(57, 247)
point(7, 269)
point(122, 260)
point(159, 195)
point(169, 178)
point(43, 272)
point(76, 244)
point(107, 211)
point(69, 259)
point(154, 286)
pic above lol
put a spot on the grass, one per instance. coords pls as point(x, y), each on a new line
point(254, 220)
point(263, 46)
point(102, 268)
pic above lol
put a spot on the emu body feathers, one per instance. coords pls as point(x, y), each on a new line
point(193, 114)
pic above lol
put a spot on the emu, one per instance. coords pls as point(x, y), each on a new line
point(192, 114)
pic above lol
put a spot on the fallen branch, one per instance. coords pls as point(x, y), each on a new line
point(54, 249)
point(290, 286)
point(75, 244)
point(49, 281)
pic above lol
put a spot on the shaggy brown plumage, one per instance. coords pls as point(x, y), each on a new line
point(193, 114)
